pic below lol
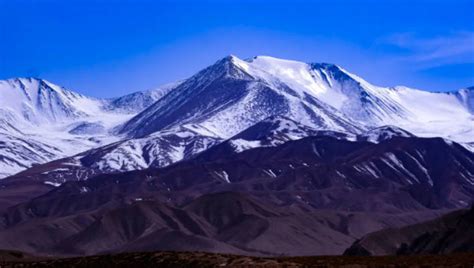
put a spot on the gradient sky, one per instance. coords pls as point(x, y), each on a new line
point(111, 47)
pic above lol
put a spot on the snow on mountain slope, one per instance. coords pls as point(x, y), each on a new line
point(277, 130)
point(30, 102)
point(383, 133)
point(422, 112)
point(138, 101)
point(466, 96)
point(156, 150)
point(17, 154)
point(169, 146)
point(434, 114)
point(234, 94)
point(57, 122)
point(226, 98)
point(328, 83)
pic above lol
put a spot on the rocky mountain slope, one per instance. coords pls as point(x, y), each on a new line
point(452, 233)
point(93, 219)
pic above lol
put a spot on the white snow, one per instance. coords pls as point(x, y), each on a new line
point(83, 190)
point(241, 145)
point(396, 162)
point(55, 184)
point(223, 175)
point(422, 112)
point(340, 174)
point(422, 167)
point(162, 148)
point(385, 132)
point(270, 173)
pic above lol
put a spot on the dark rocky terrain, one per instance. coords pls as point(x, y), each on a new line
point(78, 224)
point(324, 172)
point(452, 233)
point(313, 196)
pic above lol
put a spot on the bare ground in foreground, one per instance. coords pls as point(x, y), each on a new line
point(200, 259)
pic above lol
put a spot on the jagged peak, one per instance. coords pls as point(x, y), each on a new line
point(30, 80)
point(229, 66)
point(227, 59)
point(35, 83)
point(231, 57)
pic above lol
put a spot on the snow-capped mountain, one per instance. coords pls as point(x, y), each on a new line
point(36, 101)
point(228, 98)
point(40, 121)
point(250, 103)
point(234, 94)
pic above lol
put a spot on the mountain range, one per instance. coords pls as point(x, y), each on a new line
point(262, 156)
point(211, 106)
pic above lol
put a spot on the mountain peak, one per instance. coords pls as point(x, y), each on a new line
point(321, 95)
point(35, 86)
point(229, 66)
point(35, 101)
point(231, 57)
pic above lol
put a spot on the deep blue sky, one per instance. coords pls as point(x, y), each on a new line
point(111, 47)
